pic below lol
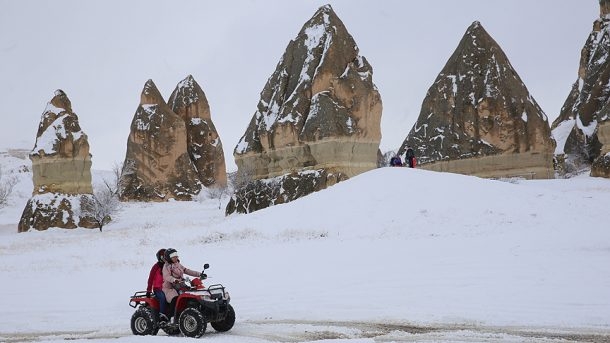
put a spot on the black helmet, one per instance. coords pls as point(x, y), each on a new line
point(168, 253)
point(161, 255)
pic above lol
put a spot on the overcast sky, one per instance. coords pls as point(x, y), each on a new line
point(102, 52)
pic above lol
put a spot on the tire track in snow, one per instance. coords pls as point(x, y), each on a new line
point(293, 331)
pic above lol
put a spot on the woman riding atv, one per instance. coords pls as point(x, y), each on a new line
point(173, 273)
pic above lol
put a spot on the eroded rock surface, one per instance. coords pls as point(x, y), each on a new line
point(203, 142)
point(61, 168)
point(319, 109)
point(478, 118)
point(157, 165)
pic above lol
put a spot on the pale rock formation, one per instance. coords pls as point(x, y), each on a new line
point(478, 118)
point(60, 158)
point(319, 109)
point(577, 128)
point(157, 166)
point(61, 167)
point(203, 142)
point(317, 122)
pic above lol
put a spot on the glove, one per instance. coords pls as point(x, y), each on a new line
point(203, 276)
point(148, 294)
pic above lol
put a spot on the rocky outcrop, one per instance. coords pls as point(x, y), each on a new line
point(601, 165)
point(157, 165)
point(478, 117)
point(263, 193)
point(576, 129)
point(319, 109)
point(61, 167)
point(203, 142)
point(44, 211)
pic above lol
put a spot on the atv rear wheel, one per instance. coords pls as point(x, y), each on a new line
point(227, 323)
point(192, 323)
point(143, 322)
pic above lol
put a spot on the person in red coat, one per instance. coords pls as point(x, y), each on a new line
point(155, 284)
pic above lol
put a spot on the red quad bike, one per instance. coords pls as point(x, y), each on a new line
point(196, 306)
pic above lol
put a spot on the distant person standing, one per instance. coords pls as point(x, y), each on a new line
point(410, 157)
point(396, 161)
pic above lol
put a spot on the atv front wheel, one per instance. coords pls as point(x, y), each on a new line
point(227, 323)
point(192, 323)
point(143, 322)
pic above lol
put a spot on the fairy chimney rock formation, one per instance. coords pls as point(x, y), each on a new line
point(60, 159)
point(478, 118)
point(61, 167)
point(319, 108)
point(157, 166)
point(203, 142)
point(578, 128)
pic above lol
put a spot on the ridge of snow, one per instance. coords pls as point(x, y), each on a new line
point(561, 133)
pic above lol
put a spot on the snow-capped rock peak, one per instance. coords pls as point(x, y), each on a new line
point(479, 106)
point(321, 91)
point(151, 95)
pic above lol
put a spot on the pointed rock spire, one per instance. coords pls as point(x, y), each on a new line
point(319, 108)
point(319, 111)
point(478, 106)
point(151, 95)
point(61, 168)
point(157, 166)
point(59, 134)
point(203, 142)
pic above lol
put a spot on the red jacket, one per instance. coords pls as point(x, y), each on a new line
point(155, 279)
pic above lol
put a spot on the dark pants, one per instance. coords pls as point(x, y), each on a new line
point(162, 302)
point(172, 307)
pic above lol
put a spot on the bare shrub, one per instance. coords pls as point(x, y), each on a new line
point(7, 185)
point(216, 193)
point(100, 207)
point(241, 178)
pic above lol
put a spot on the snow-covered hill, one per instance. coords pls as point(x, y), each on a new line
point(440, 257)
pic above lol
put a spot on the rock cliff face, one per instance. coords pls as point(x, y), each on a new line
point(61, 166)
point(478, 117)
point(157, 165)
point(203, 142)
point(319, 109)
point(577, 129)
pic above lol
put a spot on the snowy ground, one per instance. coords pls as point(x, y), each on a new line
point(392, 255)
